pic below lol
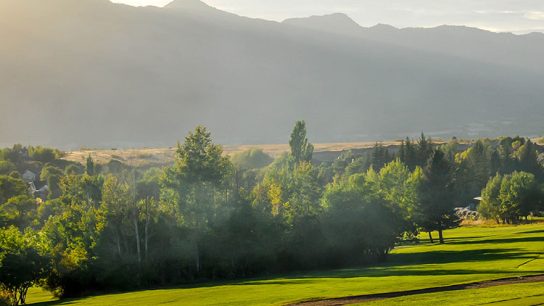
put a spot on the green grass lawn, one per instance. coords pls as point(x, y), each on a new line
point(518, 294)
point(470, 254)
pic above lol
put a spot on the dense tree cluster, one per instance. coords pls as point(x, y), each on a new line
point(208, 216)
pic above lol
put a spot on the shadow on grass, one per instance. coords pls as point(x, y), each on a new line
point(392, 267)
point(441, 257)
point(533, 232)
point(495, 241)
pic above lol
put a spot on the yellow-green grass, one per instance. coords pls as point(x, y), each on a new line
point(514, 294)
point(470, 254)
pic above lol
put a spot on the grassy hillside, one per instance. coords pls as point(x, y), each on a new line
point(470, 254)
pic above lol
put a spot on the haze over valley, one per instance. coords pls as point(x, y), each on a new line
point(94, 73)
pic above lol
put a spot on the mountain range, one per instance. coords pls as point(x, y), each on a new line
point(94, 73)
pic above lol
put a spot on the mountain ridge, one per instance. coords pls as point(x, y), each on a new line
point(116, 75)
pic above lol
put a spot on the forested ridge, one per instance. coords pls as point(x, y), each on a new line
point(77, 229)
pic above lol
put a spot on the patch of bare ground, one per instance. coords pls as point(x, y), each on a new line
point(382, 296)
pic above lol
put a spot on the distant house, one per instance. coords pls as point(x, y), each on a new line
point(38, 193)
point(29, 176)
point(42, 192)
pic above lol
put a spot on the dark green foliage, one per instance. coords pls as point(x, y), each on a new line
point(358, 228)
point(90, 167)
point(380, 156)
point(489, 207)
point(301, 149)
point(11, 187)
point(51, 175)
point(474, 170)
point(6, 167)
point(436, 210)
point(251, 159)
point(424, 150)
point(23, 263)
point(510, 197)
point(19, 211)
point(44, 155)
point(408, 154)
point(73, 169)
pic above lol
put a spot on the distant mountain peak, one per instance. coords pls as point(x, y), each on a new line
point(384, 27)
point(188, 4)
point(338, 23)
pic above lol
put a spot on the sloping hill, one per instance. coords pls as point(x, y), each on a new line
point(90, 72)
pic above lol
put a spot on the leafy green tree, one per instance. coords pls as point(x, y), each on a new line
point(74, 230)
point(398, 187)
point(474, 170)
point(11, 187)
point(23, 262)
point(19, 211)
point(6, 167)
point(357, 225)
point(81, 189)
point(52, 175)
point(44, 155)
point(301, 149)
point(17, 154)
point(490, 204)
point(193, 182)
point(251, 159)
point(119, 204)
point(516, 196)
point(527, 158)
point(436, 209)
point(304, 194)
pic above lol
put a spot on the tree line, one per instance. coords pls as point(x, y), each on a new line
point(210, 216)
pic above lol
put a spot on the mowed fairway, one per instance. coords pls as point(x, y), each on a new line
point(470, 254)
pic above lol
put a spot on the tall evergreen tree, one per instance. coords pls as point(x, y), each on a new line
point(424, 149)
point(437, 196)
point(90, 167)
point(301, 149)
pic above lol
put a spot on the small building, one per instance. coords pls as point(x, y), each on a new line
point(29, 176)
point(42, 193)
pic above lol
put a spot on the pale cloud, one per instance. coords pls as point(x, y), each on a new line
point(535, 15)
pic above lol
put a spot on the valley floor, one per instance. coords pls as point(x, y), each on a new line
point(471, 254)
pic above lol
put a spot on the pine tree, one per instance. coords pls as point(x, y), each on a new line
point(437, 196)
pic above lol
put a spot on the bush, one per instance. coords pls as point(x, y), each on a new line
point(6, 167)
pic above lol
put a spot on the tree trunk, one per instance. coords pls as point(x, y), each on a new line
point(197, 258)
point(146, 238)
point(440, 236)
point(146, 230)
point(431, 237)
point(137, 233)
point(118, 240)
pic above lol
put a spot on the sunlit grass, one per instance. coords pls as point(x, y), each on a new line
point(517, 294)
point(470, 254)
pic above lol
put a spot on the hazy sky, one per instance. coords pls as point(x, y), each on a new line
point(495, 15)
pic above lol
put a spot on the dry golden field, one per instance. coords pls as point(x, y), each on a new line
point(162, 156)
